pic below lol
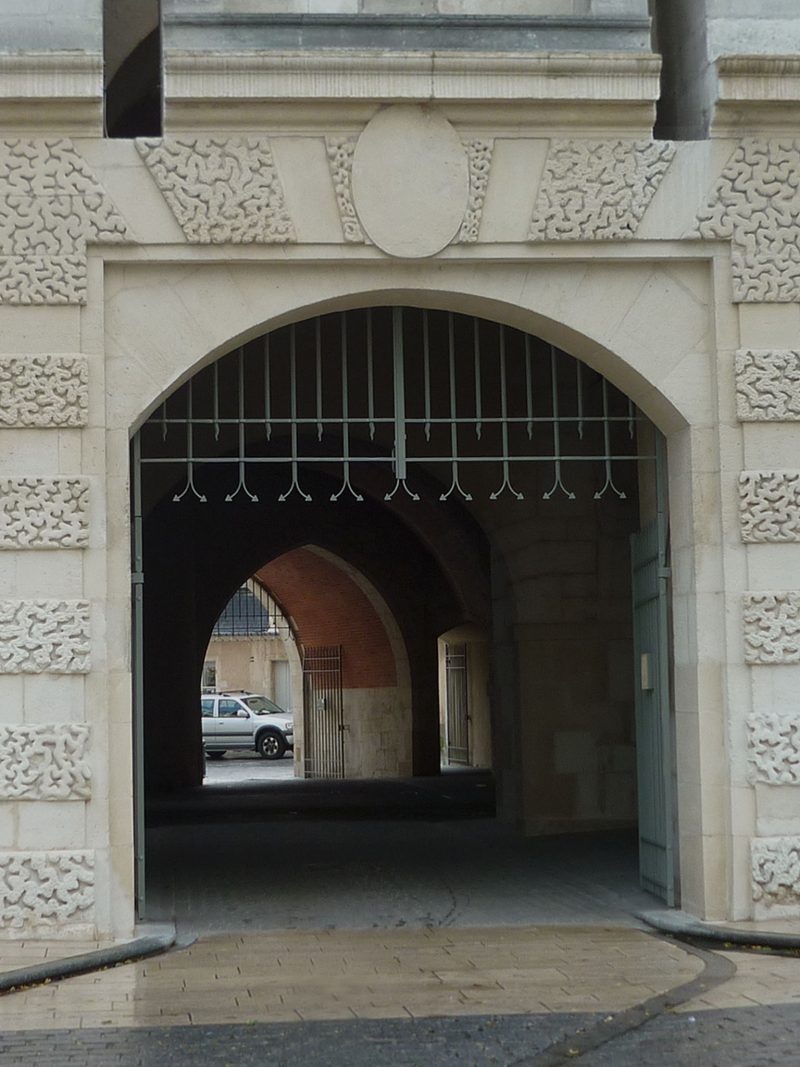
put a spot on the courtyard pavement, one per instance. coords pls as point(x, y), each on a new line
point(418, 942)
point(511, 997)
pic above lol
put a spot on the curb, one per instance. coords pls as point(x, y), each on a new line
point(679, 924)
point(138, 949)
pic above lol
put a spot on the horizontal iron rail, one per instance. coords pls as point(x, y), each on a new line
point(313, 420)
point(497, 458)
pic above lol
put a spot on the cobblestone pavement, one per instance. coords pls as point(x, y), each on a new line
point(740, 1037)
point(737, 1037)
point(476, 1042)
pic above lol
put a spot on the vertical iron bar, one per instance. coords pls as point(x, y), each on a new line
point(579, 387)
point(504, 421)
point(345, 417)
point(529, 386)
point(609, 482)
point(242, 486)
point(293, 419)
point(267, 388)
point(189, 448)
point(557, 483)
point(451, 348)
point(426, 359)
point(370, 378)
point(164, 421)
point(318, 340)
point(345, 398)
point(476, 345)
point(293, 397)
point(399, 393)
point(137, 590)
point(451, 354)
point(215, 393)
point(399, 386)
point(631, 418)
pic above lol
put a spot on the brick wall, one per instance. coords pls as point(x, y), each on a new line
point(328, 608)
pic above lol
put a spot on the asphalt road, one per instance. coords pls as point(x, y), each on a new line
point(237, 768)
point(741, 1037)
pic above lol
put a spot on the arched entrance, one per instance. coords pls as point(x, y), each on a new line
point(477, 476)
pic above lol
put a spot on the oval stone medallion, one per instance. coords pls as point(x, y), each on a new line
point(410, 181)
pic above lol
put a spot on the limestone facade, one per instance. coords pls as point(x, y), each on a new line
point(127, 264)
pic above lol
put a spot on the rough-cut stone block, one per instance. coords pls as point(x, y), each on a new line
point(45, 761)
point(776, 870)
point(769, 504)
point(43, 391)
point(756, 206)
point(43, 279)
point(598, 190)
point(44, 513)
point(44, 167)
point(220, 190)
point(768, 386)
point(479, 154)
point(772, 627)
point(45, 889)
point(51, 208)
point(774, 747)
point(44, 636)
point(340, 161)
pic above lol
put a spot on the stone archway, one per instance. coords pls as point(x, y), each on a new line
point(568, 816)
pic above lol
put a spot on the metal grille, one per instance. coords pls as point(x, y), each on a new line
point(251, 612)
point(457, 704)
point(390, 388)
point(323, 713)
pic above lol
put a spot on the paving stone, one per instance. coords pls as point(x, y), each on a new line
point(482, 1041)
point(760, 1036)
point(740, 1037)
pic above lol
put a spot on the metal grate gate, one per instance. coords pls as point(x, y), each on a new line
point(323, 712)
point(457, 705)
point(388, 389)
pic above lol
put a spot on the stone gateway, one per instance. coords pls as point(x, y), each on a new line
point(489, 322)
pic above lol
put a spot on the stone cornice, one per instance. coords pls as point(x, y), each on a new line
point(52, 92)
point(757, 95)
point(612, 92)
point(404, 31)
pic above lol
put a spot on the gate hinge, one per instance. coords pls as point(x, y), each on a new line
point(665, 572)
point(137, 578)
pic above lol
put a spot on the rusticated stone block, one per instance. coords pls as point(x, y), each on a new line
point(44, 513)
point(44, 636)
point(45, 761)
point(45, 889)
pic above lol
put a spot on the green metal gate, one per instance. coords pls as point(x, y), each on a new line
point(651, 575)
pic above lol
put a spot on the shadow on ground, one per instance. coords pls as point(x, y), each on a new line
point(421, 852)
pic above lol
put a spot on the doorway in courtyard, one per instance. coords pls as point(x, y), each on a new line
point(455, 537)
